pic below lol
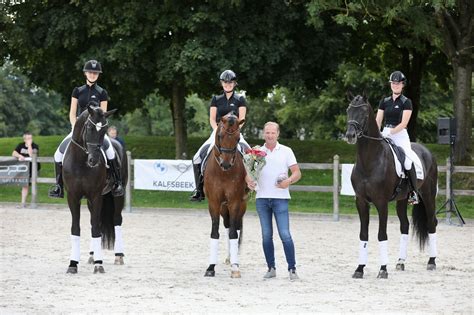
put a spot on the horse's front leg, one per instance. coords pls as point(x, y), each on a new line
point(214, 241)
point(95, 206)
point(404, 227)
point(383, 239)
point(234, 227)
point(75, 208)
point(363, 210)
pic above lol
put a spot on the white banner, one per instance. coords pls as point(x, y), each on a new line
point(346, 184)
point(170, 175)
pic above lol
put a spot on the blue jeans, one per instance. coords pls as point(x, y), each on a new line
point(266, 207)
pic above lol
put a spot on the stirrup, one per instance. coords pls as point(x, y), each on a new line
point(56, 192)
point(197, 196)
point(117, 190)
point(413, 198)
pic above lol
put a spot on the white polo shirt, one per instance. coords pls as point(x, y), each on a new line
point(278, 162)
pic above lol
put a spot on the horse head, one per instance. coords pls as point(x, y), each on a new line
point(89, 132)
point(357, 118)
point(227, 139)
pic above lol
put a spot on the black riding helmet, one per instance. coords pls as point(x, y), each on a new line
point(397, 76)
point(228, 76)
point(92, 66)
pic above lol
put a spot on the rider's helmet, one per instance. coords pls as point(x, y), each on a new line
point(228, 76)
point(92, 66)
point(397, 76)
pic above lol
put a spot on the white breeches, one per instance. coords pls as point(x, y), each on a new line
point(210, 141)
point(403, 140)
point(58, 155)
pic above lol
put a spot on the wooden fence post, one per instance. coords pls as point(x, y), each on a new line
point(34, 179)
point(335, 192)
point(128, 188)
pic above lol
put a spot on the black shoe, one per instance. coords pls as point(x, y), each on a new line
point(198, 194)
point(413, 195)
point(117, 190)
point(57, 191)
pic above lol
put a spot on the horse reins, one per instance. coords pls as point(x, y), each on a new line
point(224, 150)
point(97, 126)
point(358, 127)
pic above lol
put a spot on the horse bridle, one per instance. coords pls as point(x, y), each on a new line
point(98, 126)
point(361, 129)
point(220, 149)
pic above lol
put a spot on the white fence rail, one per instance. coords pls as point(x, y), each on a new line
point(334, 189)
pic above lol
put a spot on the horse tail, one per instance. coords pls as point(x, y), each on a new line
point(107, 221)
point(420, 222)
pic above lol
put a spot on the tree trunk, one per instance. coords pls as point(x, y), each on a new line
point(179, 125)
point(463, 109)
point(413, 89)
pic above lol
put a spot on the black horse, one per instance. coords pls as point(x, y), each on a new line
point(85, 176)
point(375, 180)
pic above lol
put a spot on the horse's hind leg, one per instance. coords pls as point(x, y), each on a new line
point(428, 201)
point(383, 239)
point(235, 224)
point(213, 244)
point(363, 210)
point(404, 227)
point(75, 208)
point(118, 242)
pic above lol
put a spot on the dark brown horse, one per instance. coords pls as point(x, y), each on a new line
point(85, 176)
point(375, 181)
point(225, 188)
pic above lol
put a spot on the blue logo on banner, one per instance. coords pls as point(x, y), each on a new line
point(160, 167)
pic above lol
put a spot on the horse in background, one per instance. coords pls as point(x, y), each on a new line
point(225, 188)
point(85, 176)
point(376, 181)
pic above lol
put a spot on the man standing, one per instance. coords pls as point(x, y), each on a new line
point(273, 197)
point(23, 151)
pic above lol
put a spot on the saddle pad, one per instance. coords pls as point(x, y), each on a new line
point(412, 156)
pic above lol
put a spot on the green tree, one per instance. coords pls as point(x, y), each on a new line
point(179, 47)
point(446, 25)
point(24, 106)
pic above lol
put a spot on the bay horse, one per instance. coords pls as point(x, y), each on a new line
point(375, 181)
point(225, 188)
point(85, 176)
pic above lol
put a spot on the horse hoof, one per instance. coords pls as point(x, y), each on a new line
point(99, 269)
point(358, 275)
point(235, 274)
point(431, 267)
point(227, 261)
point(118, 260)
point(72, 270)
point(91, 260)
point(383, 274)
point(400, 267)
point(210, 273)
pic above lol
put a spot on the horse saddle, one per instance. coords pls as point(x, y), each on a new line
point(399, 158)
point(242, 147)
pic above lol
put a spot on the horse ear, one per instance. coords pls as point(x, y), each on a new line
point(350, 96)
point(110, 112)
point(364, 94)
point(242, 122)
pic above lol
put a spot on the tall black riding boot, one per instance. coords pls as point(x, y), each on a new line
point(117, 190)
point(413, 194)
point(198, 194)
point(57, 191)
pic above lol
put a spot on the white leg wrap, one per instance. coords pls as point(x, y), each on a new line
point(228, 243)
point(403, 246)
point(97, 246)
point(433, 248)
point(75, 247)
point(383, 249)
point(234, 251)
point(363, 252)
point(118, 245)
point(91, 246)
point(214, 246)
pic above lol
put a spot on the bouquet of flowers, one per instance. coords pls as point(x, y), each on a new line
point(254, 161)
